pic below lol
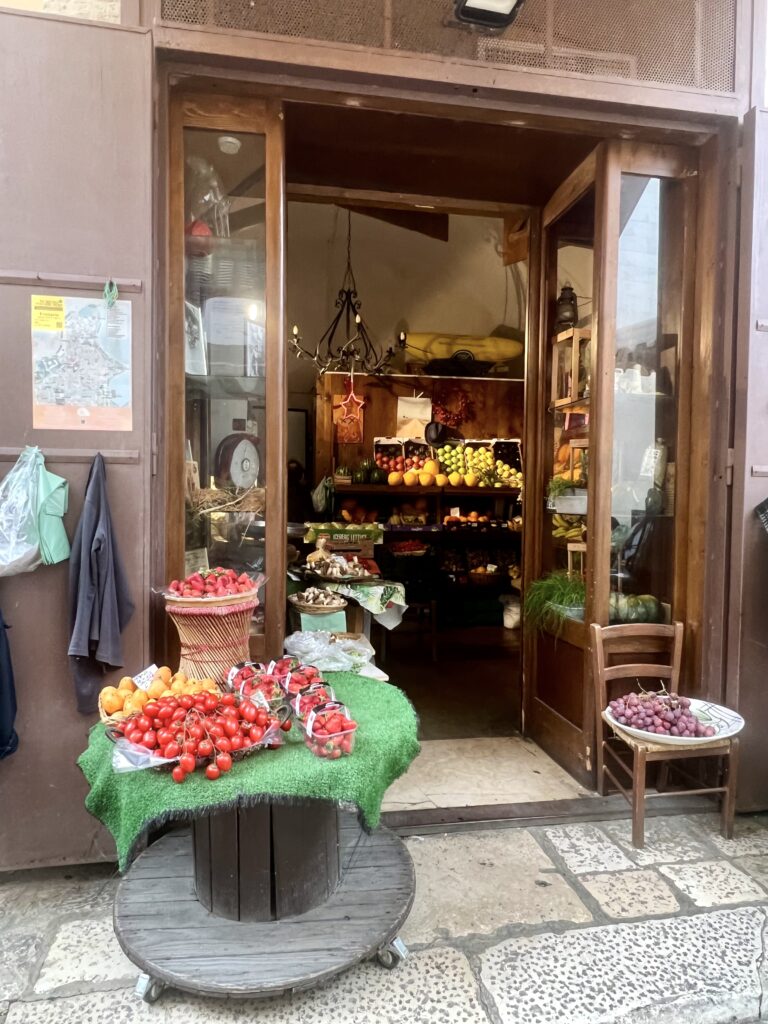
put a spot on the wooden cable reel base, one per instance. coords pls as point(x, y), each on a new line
point(213, 637)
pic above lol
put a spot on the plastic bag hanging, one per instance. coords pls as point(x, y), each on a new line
point(19, 535)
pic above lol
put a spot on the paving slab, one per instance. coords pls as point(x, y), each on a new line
point(586, 849)
point(701, 969)
point(476, 883)
point(623, 894)
point(18, 954)
point(750, 834)
point(493, 770)
point(667, 840)
point(713, 883)
point(122, 1007)
point(84, 953)
point(30, 901)
point(757, 867)
point(433, 987)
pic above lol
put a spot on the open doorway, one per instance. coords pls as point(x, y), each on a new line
point(427, 458)
point(430, 230)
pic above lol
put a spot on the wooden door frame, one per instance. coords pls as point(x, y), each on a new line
point(711, 296)
point(262, 117)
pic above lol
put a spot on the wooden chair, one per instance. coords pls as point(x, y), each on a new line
point(644, 642)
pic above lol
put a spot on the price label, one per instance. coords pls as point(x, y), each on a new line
point(491, 568)
point(456, 511)
point(143, 679)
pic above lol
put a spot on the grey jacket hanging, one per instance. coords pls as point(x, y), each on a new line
point(100, 604)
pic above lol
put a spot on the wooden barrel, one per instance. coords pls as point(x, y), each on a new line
point(267, 862)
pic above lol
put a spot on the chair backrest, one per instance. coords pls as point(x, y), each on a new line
point(627, 641)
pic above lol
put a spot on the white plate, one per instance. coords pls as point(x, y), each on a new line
point(727, 723)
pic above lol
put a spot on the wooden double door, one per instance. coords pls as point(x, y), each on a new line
point(624, 480)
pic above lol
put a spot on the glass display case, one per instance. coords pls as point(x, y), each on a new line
point(226, 417)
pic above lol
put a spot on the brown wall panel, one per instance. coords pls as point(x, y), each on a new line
point(75, 167)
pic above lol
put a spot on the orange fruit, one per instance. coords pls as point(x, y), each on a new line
point(129, 708)
point(139, 699)
point(164, 673)
point(156, 688)
point(112, 700)
point(127, 684)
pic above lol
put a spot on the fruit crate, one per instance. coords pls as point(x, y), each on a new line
point(413, 448)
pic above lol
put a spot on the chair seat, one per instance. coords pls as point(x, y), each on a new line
point(671, 749)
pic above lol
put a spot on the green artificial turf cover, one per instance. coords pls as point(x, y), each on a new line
point(131, 804)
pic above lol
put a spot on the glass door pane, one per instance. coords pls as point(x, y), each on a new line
point(570, 241)
point(645, 390)
point(225, 352)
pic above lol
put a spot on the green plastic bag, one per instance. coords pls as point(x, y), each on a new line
point(52, 502)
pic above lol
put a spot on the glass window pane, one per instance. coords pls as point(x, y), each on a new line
point(647, 342)
point(225, 353)
point(570, 245)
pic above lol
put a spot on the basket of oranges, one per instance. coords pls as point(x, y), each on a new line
point(125, 699)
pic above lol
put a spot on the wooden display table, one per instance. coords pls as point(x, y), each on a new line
point(264, 900)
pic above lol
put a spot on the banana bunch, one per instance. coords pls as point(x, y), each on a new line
point(568, 527)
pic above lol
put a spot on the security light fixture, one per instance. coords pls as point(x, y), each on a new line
point(488, 13)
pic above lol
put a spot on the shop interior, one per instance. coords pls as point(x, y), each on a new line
point(413, 415)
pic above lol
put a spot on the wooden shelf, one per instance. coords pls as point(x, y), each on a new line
point(420, 491)
point(572, 406)
point(430, 376)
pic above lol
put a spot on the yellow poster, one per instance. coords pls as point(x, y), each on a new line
point(47, 313)
point(81, 364)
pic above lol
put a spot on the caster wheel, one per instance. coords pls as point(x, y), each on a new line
point(149, 989)
point(392, 955)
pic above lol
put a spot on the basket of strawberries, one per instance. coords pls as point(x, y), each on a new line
point(212, 611)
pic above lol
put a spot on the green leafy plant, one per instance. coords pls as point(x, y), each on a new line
point(558, 486)
point(552, 599)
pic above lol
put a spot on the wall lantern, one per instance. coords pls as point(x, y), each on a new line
point(488, 13)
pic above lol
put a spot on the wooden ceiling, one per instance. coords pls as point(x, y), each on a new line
point(375, 150)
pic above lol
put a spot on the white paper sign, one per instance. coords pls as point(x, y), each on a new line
point(413, 415)
point(144, 679)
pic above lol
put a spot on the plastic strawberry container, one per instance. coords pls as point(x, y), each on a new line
point(311, 697)
point(333, 743)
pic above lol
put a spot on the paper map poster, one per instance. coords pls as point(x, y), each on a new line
point(81, 364)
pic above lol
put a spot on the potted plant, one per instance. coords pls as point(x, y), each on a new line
point(554, 598)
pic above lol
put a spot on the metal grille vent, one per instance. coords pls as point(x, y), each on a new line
point(669, 42)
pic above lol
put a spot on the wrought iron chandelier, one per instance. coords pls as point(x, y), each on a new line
point(357, 352)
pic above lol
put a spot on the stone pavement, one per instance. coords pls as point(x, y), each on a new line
point(554, 925)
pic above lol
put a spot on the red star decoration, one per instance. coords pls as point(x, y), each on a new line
point(352, 406)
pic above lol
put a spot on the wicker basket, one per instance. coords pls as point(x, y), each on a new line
point(316, 609)
point(213, 634)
